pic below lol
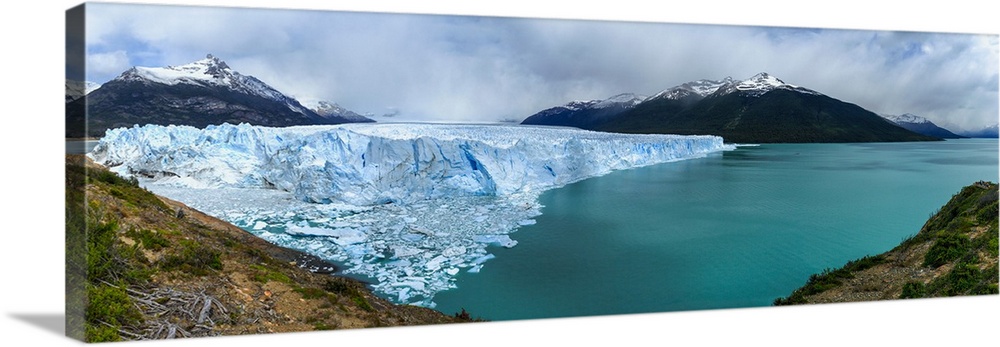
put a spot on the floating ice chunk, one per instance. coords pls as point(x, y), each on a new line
point(435, 264)
point(259, 225)
point(404, 251)
point(416, 285)
point(526, 222)
point(483, 259)
point(452, 252)
point(496, 240)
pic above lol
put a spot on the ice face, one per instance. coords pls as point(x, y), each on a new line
point(365, 164)
point(408, 205)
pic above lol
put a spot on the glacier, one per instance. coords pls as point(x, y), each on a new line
point(407, 206)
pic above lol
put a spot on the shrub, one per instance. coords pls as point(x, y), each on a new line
point(193, 258)
point(913, 290)
point(962, 278)
point(150, 240)
point(947, 247)
point(264, 275)
point(108, 309)
point(342, 287)
point(311, 293)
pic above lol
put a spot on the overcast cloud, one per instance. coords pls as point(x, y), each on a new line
point(451, 68)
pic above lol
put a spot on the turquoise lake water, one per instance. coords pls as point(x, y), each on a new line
point(736, 229)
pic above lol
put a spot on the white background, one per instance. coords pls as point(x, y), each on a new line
point(32, 214)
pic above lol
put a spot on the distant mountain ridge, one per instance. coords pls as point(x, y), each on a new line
point(760, 109)
point(201, 93)
point(920, 125)
point(333, 110)
point(585, 114)
point(986, 132)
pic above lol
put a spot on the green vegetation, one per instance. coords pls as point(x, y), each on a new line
point(946, 248)
point(829, 278)
point(961, 241)
point(310, 293)
point(137, 269)
point(150, 240)
point(109, 309)
point(128, 190)
point(193, 258)
point(264, 275)
point(350, 290)
point(913, 290)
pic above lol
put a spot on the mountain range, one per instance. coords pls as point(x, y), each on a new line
point(761, 109)
point(987, 132)
point(920, 125)
point(205, 92)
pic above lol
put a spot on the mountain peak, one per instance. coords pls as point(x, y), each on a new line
point(760, 84)
point(701, 88)
point(906, 118)
point(624, 99)
point(210, 70)
point(761, 81)
point(215, 66)
point(331, 109)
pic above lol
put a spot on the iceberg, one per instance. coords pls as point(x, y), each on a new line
point(408, 205)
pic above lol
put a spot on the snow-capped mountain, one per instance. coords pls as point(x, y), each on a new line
point(201, 93)
point(626, 100)
point(699, 88)
point(905, 118)
point(77, 89)
point(762, 108)
point(210, 72)
point(920, 125)
point(585, 114)
point(759, 85)
point(329, 109)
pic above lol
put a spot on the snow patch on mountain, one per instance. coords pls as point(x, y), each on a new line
point(330, 109)
point(905, 118)
point(627, 100)
point(700, 88)
point(760, 84)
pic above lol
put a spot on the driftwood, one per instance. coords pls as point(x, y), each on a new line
point(173, 313)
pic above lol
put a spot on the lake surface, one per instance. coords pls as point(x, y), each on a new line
point(736, 229)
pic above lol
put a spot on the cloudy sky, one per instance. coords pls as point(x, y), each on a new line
point(464, 68)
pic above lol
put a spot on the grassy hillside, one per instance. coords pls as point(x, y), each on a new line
point(140, 267)
point(955, 253)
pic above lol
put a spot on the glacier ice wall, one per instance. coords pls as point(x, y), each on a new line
point(365, 164)
point(457, 189)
